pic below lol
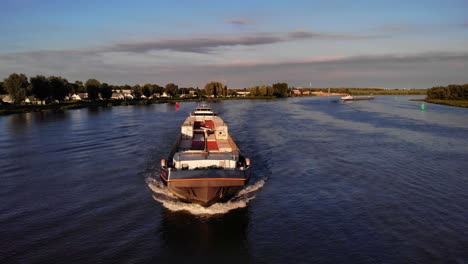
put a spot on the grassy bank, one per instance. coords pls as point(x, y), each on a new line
point(457, 103)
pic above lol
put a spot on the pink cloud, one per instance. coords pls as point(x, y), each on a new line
point(324, 59)
point(351, 73)
point(266, 63)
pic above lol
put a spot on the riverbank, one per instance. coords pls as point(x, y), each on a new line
point(456, 103)
point(365, 91)
point(8, 109)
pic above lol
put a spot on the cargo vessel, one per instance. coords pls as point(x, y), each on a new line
point(205, 166)
point(356, 98)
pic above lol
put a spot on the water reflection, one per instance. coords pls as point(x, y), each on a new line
point(188, 238)
point(21, 121)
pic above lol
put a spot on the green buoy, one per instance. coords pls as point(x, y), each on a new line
point(423, 107)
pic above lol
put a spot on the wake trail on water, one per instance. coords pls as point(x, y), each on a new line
point(162, 195)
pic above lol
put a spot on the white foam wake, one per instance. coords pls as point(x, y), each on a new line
point(170, 201)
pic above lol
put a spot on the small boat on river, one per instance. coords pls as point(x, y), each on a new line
point(205, 166)
point(356, 98)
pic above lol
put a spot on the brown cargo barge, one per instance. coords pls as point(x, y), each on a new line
point(205, 166)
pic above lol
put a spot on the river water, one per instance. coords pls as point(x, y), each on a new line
point(361, 182)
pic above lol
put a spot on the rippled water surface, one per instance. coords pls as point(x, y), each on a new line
point(363, 182)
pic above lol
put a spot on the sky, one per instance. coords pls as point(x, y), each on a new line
point(391, 44)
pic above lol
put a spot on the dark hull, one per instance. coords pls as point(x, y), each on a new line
point(205, 190)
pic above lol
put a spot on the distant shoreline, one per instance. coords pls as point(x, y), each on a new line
point(8, 109)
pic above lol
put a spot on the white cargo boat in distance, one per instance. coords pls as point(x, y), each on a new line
point(356, 98)
point(205, 166)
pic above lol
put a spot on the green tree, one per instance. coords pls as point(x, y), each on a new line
point(172, 89)
point(183, 90)
point(106, 91)
point(465, 91)
point(450, 92)
point(16, 86)
point(158, 89)
point(255, 91)
point(2, 88)
point(92, 88)
point(263, 90)
point(209, 89)
point(137, 91)
point(40, 87)
point(200, 92)
point(126, 87)
point(280, 89)
point(58, 87)
point(81, 87)
point(73, 88)
point(147, 90)
point(214, 88)
point(231, 92)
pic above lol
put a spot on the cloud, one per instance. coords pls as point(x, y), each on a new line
point(238, 21)
point(388, 70)
point(195, 44)
point(301, 34)
point(249, 63)
point(428, 57)
point(190, 60)
point(206, 44)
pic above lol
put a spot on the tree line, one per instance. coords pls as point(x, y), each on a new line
point(275, 90)
point(18, 86)
point(52, 88)
point(450, 92)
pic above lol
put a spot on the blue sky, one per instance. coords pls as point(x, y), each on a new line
point(393, 44)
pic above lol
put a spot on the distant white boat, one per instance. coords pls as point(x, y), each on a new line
point(355, 98)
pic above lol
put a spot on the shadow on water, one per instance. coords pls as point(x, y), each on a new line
point(95, 110)
point(218, 239)
point(27, 119)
